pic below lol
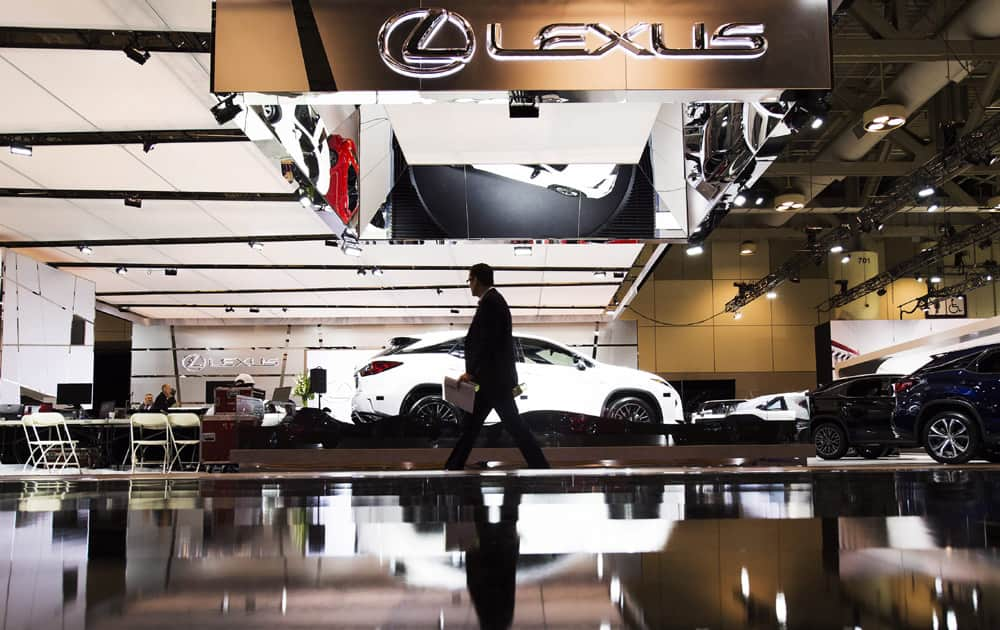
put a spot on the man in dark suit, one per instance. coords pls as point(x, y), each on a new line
point(147, 404)
point(489, 362)
point(165, 400)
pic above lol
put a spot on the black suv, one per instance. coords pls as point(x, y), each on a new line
point(951, 406)
point(853, 412)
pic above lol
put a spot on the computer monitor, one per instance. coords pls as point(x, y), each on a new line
point(106, 409)
point(282, 394)
point(74, 394)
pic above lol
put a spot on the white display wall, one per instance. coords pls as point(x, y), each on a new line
point(39, 304)
point(275, 355)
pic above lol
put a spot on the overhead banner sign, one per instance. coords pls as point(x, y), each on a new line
point(299, 46)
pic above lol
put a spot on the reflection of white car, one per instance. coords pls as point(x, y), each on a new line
point(776, 407)
point(714, 410)
point(593, 181)
point(407, 377)
point(301, 131)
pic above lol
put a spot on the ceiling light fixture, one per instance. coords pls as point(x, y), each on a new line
point(740, 200)
point(230, 309)
point(136, 54)
point(933, 207)
point(256, 246)
point(254, 309)
point(362, 271)
point(845, 259)
point(772, 295)
point(85, 250)
point(351, 247)
point(226, 109)
point(121, 270)
point(522, 250)
point(926, 191)
point(600, 275)
point(695, 250)
point(817, 122)
point(738, 315)
point(748, 248)
point(377, 272)
point(836, 249)
point(993, 203)
point(759, 201)
point(19, 148)
point(935, 279)
point(884, 118)
point(789, 201)
point(133, 201)
point(170, 271)
point(148, 146)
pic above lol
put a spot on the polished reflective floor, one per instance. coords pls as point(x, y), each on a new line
point(796, 550)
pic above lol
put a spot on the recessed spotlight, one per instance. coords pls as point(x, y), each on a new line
point(845, 259)
point(85, 250)
point(884, 118)
point(256, 245)
point(836, 249)
point(740, 200)
point(19, 148)
point(522, 250)
point(121, 270)
point(695, 250)
point(133, 201)
point(771, 295)
point(926, 191)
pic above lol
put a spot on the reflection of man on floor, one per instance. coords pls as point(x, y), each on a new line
point(491, 566)
point(489, 363)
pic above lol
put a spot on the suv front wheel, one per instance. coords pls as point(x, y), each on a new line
point(830, 441)
point(951, 437)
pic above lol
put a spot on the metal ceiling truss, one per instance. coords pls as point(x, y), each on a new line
point(146, 138)
point(97, 39)
point(988, 275)
point(974, 148)
point(946, 245)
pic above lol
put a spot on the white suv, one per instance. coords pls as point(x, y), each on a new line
point(406, 379)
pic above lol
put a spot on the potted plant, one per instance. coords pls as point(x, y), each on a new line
point(302, 389)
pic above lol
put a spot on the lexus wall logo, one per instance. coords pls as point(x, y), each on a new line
point(418, 57)
point(199, 363)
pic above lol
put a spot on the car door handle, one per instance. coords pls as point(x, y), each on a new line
point(523, 397)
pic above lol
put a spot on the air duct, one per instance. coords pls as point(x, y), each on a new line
point(914, 86)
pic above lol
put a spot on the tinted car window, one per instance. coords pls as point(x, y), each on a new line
point(541, 353)
point(864, 388)
point(397, 344)
point(948, 362)
point(445, 347)
point(776, 404)
point(989, 364)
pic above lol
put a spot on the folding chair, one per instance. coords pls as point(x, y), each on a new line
point(48, 435)
point(188, 426)
point(149, 430)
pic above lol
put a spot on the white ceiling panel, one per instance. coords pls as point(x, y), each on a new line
point(28, 107)
point(592, 255)
point(266, 218)
point(221, 167)
point(54, 219)
point(10, 178)
point(170, 91)
point(155, 219)
point(576, 296)
point(183, 15)
point(90, 167)
point(309, 278)
point(522, 296)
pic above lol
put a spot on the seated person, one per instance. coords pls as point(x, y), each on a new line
point(147, 404)
point(165, 400)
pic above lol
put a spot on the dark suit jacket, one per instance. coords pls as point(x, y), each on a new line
point(162, 403)
point(489, 346)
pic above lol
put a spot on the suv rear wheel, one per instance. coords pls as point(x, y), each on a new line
point(951, 437)
point(431, 410)
point(830, 441)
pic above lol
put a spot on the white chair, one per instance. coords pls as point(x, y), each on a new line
point(188, 426)
point(149, 430)
point(48, 435)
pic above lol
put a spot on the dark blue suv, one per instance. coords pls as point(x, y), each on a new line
point(951, 406)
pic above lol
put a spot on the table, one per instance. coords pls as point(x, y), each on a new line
point(105, 440)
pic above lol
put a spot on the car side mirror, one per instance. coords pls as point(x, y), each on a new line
point(579, 363)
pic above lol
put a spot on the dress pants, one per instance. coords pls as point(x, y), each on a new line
point(506, 408)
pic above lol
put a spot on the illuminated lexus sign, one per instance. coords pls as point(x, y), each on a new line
point(344, 45)
point(199, 363)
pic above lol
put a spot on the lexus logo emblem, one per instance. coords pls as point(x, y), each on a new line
point(194, 363)
point(418, 58)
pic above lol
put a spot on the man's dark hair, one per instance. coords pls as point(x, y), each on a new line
point(483, 273)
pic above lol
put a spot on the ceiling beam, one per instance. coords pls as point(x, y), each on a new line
point(178, 240)
point(572, 307)
point(104, 39)
point(859, 169)
point(151, 137)
point(297, 267)
point(857, 50)
point(984, 98)
point(426, 287)
point(158, 195)
point(872, 19)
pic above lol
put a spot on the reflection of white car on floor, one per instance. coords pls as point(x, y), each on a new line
point(406, 379)
point(593, 181)
point(789, 407)
point(714, 410)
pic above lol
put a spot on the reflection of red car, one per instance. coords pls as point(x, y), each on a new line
point(343, 195)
